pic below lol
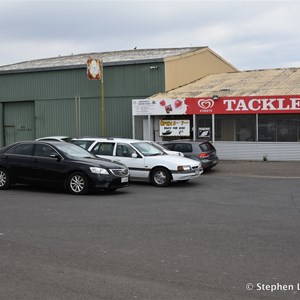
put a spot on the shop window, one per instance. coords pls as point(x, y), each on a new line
point(279, 128)
point(225, 128)
point(245, 128)
point(235, 127)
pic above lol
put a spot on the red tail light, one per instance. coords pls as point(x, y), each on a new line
point(203, 155)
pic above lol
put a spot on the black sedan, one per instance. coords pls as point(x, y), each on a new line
point(61, 165)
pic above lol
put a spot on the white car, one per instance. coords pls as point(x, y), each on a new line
point(59, 138)
point(144, 160)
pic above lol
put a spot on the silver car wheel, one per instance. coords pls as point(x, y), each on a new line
point(78, 184)
point(161, 177)
point(3, 179)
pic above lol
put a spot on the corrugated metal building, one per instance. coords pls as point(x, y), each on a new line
point(54, 97)
point(256, 114)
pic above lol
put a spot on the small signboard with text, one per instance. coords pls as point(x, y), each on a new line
point(174, 127)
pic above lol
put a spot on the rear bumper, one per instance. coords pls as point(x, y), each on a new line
point(209, 163)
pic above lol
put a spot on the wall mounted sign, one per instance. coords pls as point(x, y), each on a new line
point(94, 69)
point(204, 132)
point(174, 128)
point(223, 105)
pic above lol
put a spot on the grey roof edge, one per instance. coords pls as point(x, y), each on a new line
point(121, 57)
point(80, 66)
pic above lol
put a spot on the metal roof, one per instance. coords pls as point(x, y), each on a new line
point(108, 58)
point(247, 83)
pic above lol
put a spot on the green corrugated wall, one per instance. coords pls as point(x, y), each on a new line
point(53, 93)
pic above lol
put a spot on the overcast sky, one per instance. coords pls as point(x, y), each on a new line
point(249, 34)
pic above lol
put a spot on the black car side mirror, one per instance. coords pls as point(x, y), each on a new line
point(58, 158)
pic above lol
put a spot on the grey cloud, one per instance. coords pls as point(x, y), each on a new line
point(247, 34)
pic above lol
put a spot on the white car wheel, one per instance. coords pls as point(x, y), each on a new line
point(161, 177)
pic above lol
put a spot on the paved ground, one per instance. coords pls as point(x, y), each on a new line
point(289, 169)
point(221, 236)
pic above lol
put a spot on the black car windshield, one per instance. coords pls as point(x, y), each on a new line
point(147, 149)
point(73, 151)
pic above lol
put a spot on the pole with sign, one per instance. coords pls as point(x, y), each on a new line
point(95, 72)
point(102, 103)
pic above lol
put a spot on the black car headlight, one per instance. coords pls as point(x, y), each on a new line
point(97, 170)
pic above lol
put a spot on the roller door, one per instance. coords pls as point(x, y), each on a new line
point(19, 122)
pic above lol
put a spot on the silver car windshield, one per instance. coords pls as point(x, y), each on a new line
point(147, 149)
point(73, 151)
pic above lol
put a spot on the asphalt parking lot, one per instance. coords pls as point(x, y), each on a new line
point(269, 169)
point(233, 233)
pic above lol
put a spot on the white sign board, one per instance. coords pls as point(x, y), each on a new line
point(144, 107)
point(174, 127)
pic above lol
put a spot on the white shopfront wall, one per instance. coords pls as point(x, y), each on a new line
point(241, 128)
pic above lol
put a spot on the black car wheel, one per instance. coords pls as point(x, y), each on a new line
point(77, 184)
point(4, 179)
point(161, 177)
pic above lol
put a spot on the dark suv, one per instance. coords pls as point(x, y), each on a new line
point(202, 151)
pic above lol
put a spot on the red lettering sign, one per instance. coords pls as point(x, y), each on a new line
point(244, 105)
